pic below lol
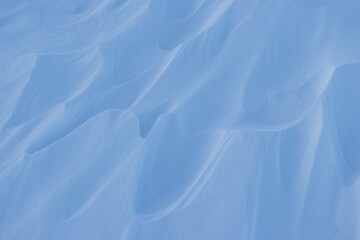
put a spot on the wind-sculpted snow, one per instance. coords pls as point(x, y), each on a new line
point(174, 119)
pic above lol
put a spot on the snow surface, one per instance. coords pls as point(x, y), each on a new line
point(180, 119)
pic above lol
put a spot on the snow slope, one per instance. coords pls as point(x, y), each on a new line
point(180, 119)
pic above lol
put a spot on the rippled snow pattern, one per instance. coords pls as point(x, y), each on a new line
point(180, 119)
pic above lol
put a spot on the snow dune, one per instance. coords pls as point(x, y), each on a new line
point(174, 119)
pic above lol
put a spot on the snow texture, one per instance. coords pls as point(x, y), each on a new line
point(180, 119)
